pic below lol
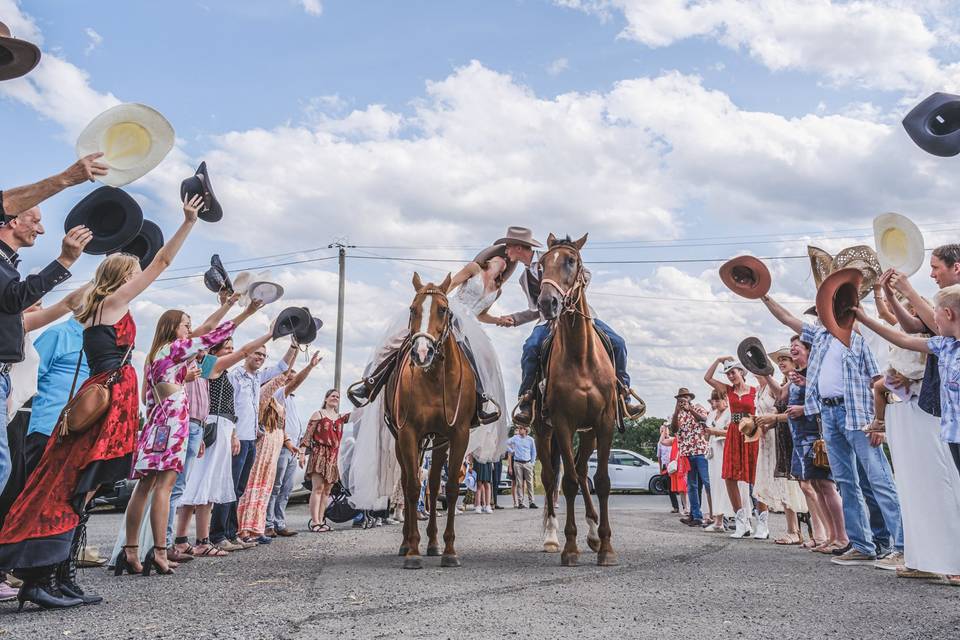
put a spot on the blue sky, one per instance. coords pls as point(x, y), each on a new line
point(430, 126)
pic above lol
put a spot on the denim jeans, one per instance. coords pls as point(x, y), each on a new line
point(193, 449)
point(530, 358)
point(845, 449)
point(699, 473)
point(282, 487)
point(223, 524)
point(881, 536)
point(5, 463)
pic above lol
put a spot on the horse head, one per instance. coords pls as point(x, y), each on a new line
point(429, 320)
point(562, 276)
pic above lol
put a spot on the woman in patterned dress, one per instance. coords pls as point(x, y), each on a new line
point(162, 445)
point(41, 536)
point(322, 442)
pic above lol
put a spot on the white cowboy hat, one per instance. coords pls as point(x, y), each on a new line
point(899, 243)
point(262, 288)
point(133, 139)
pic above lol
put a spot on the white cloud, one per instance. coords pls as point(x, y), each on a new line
point(558, 66)
point(313, 7)
point(94, 40)
point(884, 44)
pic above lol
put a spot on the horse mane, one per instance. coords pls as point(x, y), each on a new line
point(565, 242)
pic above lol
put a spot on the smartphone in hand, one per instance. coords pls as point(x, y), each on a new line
point(206, 365)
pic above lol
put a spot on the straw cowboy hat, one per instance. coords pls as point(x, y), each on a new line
point(837, 299)
point(497, 251)
point(684, 393)
point(17, 57)
point(133, 138)
point(111, 214)
point(750, 429)
point(199, 185)
point(731, 365)
point(934, 124)
point(519, 235)
point(90, 558)
point(753, 356)
point(145, 245)
point(779, 354)
point(746, 276)
point(899, 243)
point(859, 256)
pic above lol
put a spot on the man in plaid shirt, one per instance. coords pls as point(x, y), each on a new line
point(689, 423)
point(839, 382)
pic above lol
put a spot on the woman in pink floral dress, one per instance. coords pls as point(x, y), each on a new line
point(162, 444)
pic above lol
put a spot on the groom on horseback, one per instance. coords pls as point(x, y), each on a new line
point(520, 247)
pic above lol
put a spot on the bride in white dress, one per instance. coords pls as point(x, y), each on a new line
point(474, 289)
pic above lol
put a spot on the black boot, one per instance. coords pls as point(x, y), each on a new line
point(523, 413)
point(67, 570)
point(40, 588)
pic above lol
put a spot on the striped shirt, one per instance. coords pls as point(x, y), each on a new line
point(859, 371)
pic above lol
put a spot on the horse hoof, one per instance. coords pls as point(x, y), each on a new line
point(403, 550)
point(551, 547)
point(607, 559)
point(593, 544)
point(413, 563)
point(449, 561)
point(569, 559)
point(433, 551)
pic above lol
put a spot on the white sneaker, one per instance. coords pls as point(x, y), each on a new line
point(488, 509)
point(742, 524)
point(478, 509)
point(763, 530)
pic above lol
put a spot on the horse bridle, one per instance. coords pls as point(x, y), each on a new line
point(569, 298)
point(444, 331)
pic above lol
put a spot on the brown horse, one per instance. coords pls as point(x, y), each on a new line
point(580, 397)
point(431, 398)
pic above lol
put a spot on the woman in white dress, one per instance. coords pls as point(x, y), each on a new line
point(472, 292)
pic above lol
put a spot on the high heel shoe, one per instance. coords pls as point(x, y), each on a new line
point(121, 564)
point(150, 563)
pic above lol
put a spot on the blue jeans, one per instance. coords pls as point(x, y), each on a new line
point(881, 537)
point(282, 487)
point(5, 464)
point(846, 448)
point(193, 449)
point(223, 524)
point(530, 359)
point(699, 473)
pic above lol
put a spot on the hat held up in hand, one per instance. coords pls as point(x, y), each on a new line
point(17, 57)
point(133, 138)
point(837, 301)
point(111, 214)
point(754, 357)
point(199, 185)
point(746, 276)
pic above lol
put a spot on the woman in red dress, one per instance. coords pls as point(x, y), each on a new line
point(43, 533)
point(322, 442)
point(739, 456)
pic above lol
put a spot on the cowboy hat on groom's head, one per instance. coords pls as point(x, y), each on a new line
point(519, 235)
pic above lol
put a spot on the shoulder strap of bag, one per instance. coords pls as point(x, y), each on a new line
point(76, 374)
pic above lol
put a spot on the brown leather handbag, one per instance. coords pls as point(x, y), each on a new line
point(820, 458)
point(87, 407)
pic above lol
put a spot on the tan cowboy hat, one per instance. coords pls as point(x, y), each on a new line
point(133, 138)
point(750, 429)
point(899, 243)
point(837, 299)
point(684, 393)
point(17, 57)
point(746, 276)
point(519, 235)
point(262, 288)
point(782, 352)
point(90, 557)
point(863, 258)
point(497, 251)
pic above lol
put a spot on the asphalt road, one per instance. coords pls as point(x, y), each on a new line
point(672, 582)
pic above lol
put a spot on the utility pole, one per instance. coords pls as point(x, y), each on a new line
point(342, 259)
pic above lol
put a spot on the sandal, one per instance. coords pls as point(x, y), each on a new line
point(207, 550)
point(810, 544)
point(317, 528)
point(789, 540)
point(953, 581)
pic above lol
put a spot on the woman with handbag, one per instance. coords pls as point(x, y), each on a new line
point(162, 445)
point(322, 442)
point(43, 533)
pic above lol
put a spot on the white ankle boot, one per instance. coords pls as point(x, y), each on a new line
point(763, 530)
point(743, 525)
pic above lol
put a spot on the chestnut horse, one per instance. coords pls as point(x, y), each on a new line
point(580, 397)
point(431, 398)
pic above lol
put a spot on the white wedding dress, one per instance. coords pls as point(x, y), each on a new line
point(374, 470)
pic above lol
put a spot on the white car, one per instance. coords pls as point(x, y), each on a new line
point(629, 471)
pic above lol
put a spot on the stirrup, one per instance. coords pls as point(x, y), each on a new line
point(522, 421)
point(626, 392)
point(483, 416)
point(357, 399)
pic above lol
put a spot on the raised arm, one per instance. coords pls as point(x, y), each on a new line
point(713, 382)
point(774, 386)
point(891, 335)
point(226, 362)
point(908, 322)
point(298, 379)
point(883, 307)
point(786, 318)
point(469, 270)
point(33, 320)
point(164, 258)
point(17, 200)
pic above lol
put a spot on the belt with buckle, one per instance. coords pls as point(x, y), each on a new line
point(5, 368)
point(832, 402)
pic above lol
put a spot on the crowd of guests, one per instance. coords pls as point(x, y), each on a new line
point(867, 456)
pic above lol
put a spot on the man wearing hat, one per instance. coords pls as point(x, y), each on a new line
point(840, 388)
point(689, 422)
point(520, 247)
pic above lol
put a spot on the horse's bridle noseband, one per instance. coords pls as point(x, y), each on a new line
point(569, 298)
point(445, 330)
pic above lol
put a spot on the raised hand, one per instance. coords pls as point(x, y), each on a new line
point(191, 207)
point(315, 359)
point(73, 244)
point(84, 169)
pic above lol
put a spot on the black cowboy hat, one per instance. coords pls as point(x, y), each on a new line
point(113, 217)
point(309, 333)
point(295, 321)
point(199, 185)
point(934, 124)
point(216, 277)
point(145, 245)
point(17, 57)
point(754, 357)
